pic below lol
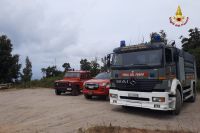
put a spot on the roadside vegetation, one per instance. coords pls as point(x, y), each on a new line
point(42, 83)
point(112, 129)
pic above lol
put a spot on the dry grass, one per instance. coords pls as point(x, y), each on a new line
point(112, 129)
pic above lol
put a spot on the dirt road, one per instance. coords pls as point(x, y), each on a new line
point(40, 110)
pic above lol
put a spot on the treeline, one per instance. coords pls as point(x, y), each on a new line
point(93, 66)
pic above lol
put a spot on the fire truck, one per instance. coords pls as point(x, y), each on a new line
point(153, 75)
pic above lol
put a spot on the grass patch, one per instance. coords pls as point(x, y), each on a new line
point(112, 129)
point(43, 83)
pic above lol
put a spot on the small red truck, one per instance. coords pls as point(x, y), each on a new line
point(72, 82)
point(98, 86)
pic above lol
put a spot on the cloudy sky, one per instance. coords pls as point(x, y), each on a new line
point(57, 31)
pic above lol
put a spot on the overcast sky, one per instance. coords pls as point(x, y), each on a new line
point(58, 31)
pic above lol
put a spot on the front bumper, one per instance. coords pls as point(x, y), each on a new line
point(63, 89)
point(169, 103)
point(95, 92)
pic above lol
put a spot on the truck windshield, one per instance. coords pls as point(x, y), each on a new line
point(149, 58)
point(72, 75)
point(103, 76)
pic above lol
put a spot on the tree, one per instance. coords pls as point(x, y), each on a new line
point(193, 41)
point(104, 68)
point(92, 66)
point(27, 71)
point(192, 45)
point(9, 64)
point(66, 66)
point(85, 65)
point(161, 34)
point(95, 68)
point(50, 71)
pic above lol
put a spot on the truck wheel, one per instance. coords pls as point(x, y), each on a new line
point(57, 92)
point(75, 90)
point(178, 103)
point(88, 96)
point(193, 98)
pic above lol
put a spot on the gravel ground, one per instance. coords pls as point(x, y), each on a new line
point(40, 110)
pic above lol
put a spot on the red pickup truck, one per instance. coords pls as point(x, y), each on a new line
point(72, 82)
point(98, 86)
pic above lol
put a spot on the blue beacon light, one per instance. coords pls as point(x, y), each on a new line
point(157, 38)
point(123, 43)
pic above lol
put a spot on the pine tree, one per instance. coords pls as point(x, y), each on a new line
point(27, 71)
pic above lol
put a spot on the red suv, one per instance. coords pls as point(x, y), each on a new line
point(98, 86)
point(72, 82)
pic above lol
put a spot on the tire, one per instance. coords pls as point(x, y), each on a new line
point(88, 96)
point(193, 98)
point(178, 104)
point(75, 91)
point(57, 92)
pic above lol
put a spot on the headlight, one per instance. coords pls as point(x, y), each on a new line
point(113, 95)
point(56, 84)
point(84, 83)
point(158, 99)
point(103, 84)
point(108, 85)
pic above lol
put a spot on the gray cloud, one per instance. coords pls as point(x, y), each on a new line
point(68, 30)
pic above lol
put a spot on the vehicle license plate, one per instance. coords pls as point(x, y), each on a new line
point(69, 89)
point(91, 87)
point(132, 95)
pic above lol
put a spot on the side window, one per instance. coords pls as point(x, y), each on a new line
point(168, 56)
point(85, 76)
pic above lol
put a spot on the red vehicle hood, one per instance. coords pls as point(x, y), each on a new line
point(72, 80)
point(98, 81)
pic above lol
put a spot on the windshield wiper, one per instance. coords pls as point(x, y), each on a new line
point(131, 65)
point(143, 64)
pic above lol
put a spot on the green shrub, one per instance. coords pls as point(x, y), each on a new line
point(44, 83)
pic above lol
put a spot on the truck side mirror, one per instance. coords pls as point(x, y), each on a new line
point(108, 60)
point(176, 56)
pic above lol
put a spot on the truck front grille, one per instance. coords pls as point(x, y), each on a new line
point(91, 86)
point(141, 85)
point(61, 85)
point(134, 98)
